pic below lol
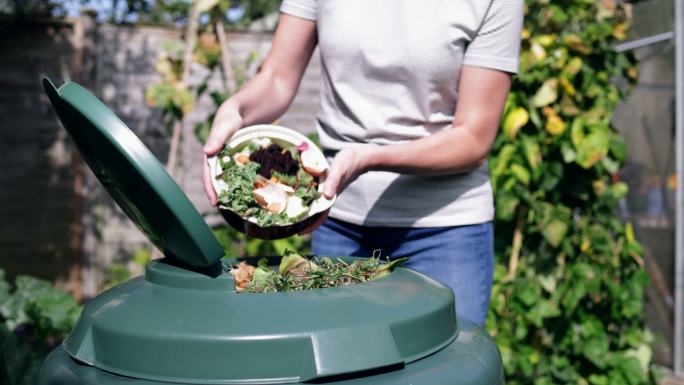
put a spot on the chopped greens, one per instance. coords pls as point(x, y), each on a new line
point(265, 218)
point(304, 178)
point(289, 180)
point(240, 183)
point(297, 272)
point(307, 194)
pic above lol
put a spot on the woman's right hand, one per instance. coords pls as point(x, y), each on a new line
point(226, 122)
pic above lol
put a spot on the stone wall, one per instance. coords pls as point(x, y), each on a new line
point(53, 223)
point(36, 168)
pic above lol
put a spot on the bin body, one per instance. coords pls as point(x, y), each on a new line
point(472, 359)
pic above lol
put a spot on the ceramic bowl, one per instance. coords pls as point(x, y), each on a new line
point(248, 225)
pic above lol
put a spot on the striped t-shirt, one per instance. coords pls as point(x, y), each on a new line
point(390, 71)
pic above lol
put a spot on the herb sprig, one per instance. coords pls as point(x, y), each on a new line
point(297, 273)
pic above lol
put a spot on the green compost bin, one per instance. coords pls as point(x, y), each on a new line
point(183, 322)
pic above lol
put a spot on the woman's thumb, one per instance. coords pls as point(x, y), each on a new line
point(217, 138)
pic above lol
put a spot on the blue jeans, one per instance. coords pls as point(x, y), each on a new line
point(460, 257)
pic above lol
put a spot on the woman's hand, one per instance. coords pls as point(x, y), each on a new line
point(347, 165)
point(226, 122)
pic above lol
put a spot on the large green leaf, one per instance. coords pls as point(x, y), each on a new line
point(554, 232)
point(532, 151)
point(593, 148)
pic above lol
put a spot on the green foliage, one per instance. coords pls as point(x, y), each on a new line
point(117, 273)
point(34, 317)
point(170, 94)
point(238, 245)
point(569, 281)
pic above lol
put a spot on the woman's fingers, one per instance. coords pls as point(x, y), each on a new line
point(226, 122)
point(206, 179)
point(332, 181)
point(219, 135)
point(343, 170)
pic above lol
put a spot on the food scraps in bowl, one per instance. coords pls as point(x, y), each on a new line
point(271, 182)
point(297, 273)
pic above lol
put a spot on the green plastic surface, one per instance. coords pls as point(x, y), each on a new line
point(472, 359)
point(179, 326)
point(134, 177)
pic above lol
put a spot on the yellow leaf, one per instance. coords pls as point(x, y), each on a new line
point(525, 34)
point(567, 86)
point(538, 51)
point(546, 40)
point(515, 119)
point(574, 66)
point(620, 30)
point(629, 232)
point(599, 186)
point(632, 72)
point(547, 93)
point(584, 247)
point(575, 42)
point(555, 125)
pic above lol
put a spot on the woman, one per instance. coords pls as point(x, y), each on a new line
point(411, 97)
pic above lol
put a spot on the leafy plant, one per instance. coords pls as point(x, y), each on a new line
point(569, 280)
point(35, 317)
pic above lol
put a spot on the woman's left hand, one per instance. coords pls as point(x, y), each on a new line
point(347, 165)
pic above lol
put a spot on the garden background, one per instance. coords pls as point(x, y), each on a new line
point(582, 243)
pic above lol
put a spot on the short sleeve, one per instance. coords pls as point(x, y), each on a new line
point(496, 44)
point(306, 9)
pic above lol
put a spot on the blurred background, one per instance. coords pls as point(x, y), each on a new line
point(163, 67)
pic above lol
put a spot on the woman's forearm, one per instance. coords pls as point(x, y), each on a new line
point(450, 151)
point(464, 146)
point(269, 93)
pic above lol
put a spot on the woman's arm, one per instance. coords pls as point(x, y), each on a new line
point(269, 93)
point(481, 98)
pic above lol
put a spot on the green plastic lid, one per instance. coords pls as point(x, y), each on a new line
point(134, 177)
point(180, 326)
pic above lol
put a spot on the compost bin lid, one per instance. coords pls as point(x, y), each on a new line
point(134, 177)
point(177, 325)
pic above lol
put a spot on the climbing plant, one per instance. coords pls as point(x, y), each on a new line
point(569, 279)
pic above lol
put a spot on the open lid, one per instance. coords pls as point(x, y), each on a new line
point(134, 177)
